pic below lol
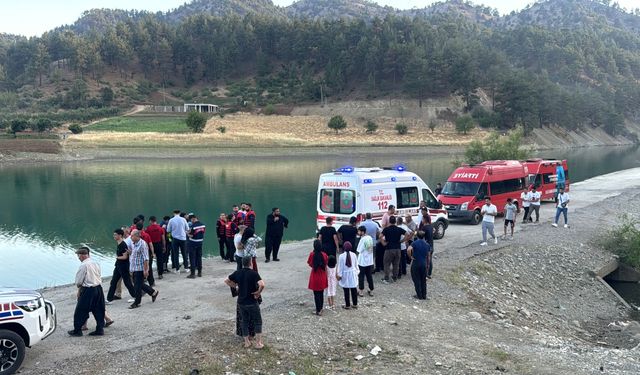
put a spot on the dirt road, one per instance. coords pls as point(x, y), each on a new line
point(524, 306)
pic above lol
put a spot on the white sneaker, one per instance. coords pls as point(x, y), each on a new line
point(176, 271)
point(566, 225)
point(131, 300)
point(495, 240)
point(483, 244)
point(107, 302)
point(554, 225)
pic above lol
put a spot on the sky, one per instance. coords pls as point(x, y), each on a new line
point(34, 17)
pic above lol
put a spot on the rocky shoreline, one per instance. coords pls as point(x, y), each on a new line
point(530, 305)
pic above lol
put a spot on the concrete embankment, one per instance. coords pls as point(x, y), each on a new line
point(530, 305)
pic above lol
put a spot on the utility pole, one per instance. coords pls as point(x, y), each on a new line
point(321, 96)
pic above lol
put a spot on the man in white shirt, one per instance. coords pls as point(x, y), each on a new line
point(534, 197)
point(365, 260)
point(525, 198)
point(90, 295)
point(489, 213)
point(178, 228)
point(561, 208)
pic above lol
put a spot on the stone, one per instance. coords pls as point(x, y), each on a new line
point(475, 315)
point(359, 357)
point(376, 350)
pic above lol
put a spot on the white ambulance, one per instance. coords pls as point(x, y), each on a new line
point(349, 191)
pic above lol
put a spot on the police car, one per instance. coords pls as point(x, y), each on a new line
point(26, 318)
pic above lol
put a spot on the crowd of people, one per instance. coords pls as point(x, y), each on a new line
point(179, 239)
point(531, 200)
point(351, 255)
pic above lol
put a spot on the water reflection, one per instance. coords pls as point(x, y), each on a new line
point(28, 261)
point(49, 207)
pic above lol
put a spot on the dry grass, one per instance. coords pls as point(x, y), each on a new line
point(276, 131)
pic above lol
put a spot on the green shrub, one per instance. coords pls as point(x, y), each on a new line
point(370, 127)
point(337, 123)
point(464, 124)
point(269, 110)
point(18, 125)
point(496, 147)
point(42, 124)
point(402, 129)
point(196, 121)
point(75, 128)
point(432, 125)
point(222, 129)
point(624, 241)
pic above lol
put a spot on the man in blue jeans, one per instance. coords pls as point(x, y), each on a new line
point(178, 228)
point(561, 208)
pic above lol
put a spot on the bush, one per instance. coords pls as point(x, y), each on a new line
point(624, 241)
point(43, 124)
point(337, 123)
point(269, 110)
point(402, 129)
point(496, 147)
point(18, 125)
point(464, 124)
point(485, 118)
point(196, 121)
point(222, 129)
point(75, 128)
point(370, 127)
point(432, 125)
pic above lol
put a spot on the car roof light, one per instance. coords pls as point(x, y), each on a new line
point(367, 181)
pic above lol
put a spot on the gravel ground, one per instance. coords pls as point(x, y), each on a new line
point(530, 305)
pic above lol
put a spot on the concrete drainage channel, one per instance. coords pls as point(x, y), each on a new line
point(624, 282)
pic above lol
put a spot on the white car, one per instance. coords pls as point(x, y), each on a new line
point(26, 318)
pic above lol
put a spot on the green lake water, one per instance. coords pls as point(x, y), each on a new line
point(48, 210)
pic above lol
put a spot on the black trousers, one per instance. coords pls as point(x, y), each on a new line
point(238, 262)
point(250, 314)
point(90, 300)
point(139, 286)
point(195, 255)
point(403, 263)
point(430, 261)
point(231, 248)
point(379, 257)
point(221, 243)
point(272, 246)
point(150, 278)
point(354, 296)
point(419, 276)
point(525, 218)
point(318, 298)
point(178, 247)
point(120, 272)
point(365, 272)
point(160, 255)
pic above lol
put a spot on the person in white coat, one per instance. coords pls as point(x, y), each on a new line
point(347, 275)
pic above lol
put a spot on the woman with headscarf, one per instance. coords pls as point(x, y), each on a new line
point(318, 260)
point(347, 274)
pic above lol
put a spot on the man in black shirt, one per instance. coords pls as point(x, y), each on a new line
point(348, 233)
point(121, 271)
point(273, 236)
point(391, 237)
point(250, 286)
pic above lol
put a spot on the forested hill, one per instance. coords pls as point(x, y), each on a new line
point(567, 62)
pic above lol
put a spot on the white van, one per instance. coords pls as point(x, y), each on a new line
point(348, 191)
